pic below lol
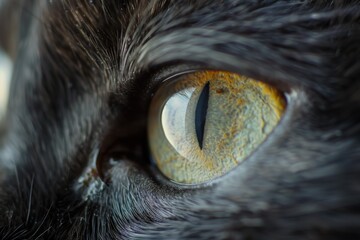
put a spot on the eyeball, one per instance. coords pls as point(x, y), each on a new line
point(203, 124)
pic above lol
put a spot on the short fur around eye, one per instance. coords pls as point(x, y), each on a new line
point(83, 72)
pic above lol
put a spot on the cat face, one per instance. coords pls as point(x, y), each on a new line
point(75, 158)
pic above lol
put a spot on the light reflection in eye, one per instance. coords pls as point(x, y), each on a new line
point(175, 119)
point(5, 75)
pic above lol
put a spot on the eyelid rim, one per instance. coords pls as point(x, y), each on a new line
point(172, 72)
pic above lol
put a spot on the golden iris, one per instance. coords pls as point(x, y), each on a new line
point(205, 123)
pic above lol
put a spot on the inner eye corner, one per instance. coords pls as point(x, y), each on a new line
point(119, 146)
point(202, 124)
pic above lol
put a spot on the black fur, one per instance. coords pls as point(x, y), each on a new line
point(84, 74)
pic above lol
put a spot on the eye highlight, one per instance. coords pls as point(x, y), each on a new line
point(204, 124)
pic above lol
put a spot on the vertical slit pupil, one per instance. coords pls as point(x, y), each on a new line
point(200, 113)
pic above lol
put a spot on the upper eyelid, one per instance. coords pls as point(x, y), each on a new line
point(254, 64)
point(171, 74)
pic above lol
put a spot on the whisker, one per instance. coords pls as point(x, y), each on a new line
point(30, 200)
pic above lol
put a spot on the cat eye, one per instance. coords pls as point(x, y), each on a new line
point(203, 124)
